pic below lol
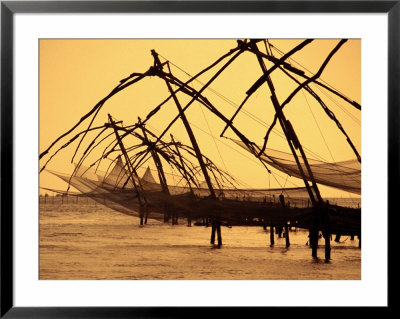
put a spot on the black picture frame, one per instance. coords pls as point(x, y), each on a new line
point(9, 8)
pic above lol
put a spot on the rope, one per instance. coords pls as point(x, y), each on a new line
point(213, 137)
point(316, 122)
point(247, 113)
point(320, 89)
point(250, 158)
point(291, 59)
point(351, 116)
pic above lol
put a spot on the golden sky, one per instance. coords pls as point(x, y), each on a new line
point(75, 74)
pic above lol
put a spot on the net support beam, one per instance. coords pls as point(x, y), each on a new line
point(294, 143)
point(216, 222)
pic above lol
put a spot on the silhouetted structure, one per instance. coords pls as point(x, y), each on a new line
point(122, 189)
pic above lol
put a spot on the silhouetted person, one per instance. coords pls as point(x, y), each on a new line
point(282, 200)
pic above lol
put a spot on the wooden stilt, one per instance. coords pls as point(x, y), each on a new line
point(271, 235)
point(327, 246)
point(314, 243)
point(212, 241)
point(189, 222)
point(191, 137)
point(160, 171)
point(141, 214)
point(337, 238)
point(187, 127)
point(218, 226)
point(287, 236)
point(314, 234)
point(352, 237)
point(326, 230)
point(185, 174)
point(279, 231)
point(359, 241)
point(294, 145)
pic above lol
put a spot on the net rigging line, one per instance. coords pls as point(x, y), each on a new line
point(327, 110)
point(351, 116)
point(269, 51)
point(320, 89)
point(176, 140)
point(319, 128)
point(249, 114)
point(207, 88)
point(326, 83)
point(322, 135)
point(274, 174)
point(318, 156)
point(250, 158)
point(213, 138)
point(224, 98)
point(237, 179)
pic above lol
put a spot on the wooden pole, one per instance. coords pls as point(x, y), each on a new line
point(284, 126)
point(271, 236)
point(327, 247)
point(185, 174)
point(188, 130)
point(218, 226)
point(192, 138)
point(142, 202)
point(287, 235)
point(160, 170)
point(279, 231)
point(212, 241)
point(166, 218)
point(326, 232)
point(156, 159)
point(293, 142)
point(314, 236)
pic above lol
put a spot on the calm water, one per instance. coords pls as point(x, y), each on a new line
point(88, 241)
